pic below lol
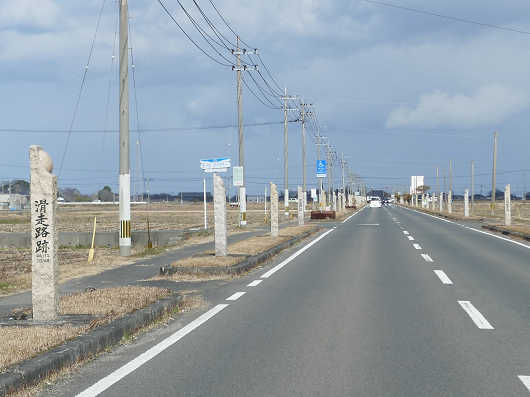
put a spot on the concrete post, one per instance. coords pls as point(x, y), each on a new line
point(334, 201)
point(205, 204)
point(450, 202)
point(300, 206)
point(441, 201)
point(507, 206)
point(220, 216)
point(274, 210)
point(466, 203)
point(44, 265)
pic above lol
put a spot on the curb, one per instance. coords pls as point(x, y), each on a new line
point(33, 370)
point(507, 232)
point(245, 265)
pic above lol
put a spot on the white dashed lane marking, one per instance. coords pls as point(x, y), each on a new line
point(427, 258)
point(477, 317)
point(254, 283)
point(410, 238)
point(405, 232)
point(235, 296)
point(525, 380)
point(443, 277)
point(417, 246)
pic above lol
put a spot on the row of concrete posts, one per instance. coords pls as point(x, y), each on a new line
point(428, 200)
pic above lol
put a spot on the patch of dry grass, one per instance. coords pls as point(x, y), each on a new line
point(114, 302)
point(20, 343)
point(238, 251)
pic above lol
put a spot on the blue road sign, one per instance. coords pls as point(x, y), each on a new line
point(322, 168)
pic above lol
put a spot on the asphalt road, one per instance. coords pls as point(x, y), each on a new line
point(361, 312)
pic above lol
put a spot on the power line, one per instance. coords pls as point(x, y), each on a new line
point(449, 17)
point(81, 88)
point(143, 130)
point(204, 35)
point(189, 37)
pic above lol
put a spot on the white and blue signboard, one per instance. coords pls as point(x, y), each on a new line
point(322, 168)
point(215, 165)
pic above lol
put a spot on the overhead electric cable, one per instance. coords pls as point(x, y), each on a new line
point(81, 88)
point(204, 35)
point(450, 17)
point(189, 37)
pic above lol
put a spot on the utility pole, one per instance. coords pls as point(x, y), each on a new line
point(342, 164)
point(494, 174)
point(451, 176)
point(285, 98)
point(438, 182)
point(472, 185)
point(242, 189)
point(524, 186)
point(125, 176)
point(303, 114)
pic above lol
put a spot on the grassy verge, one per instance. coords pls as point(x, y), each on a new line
point(236, 253)
point(18, 343)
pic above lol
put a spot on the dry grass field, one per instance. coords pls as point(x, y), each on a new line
point(162, 216)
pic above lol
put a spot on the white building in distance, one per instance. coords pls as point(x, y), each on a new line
point(415, 182)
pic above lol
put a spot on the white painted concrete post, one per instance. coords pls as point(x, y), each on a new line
point(507, 206)
point(220, 216)
point(44, 244)
point(274, 210)
point(334, 201)
point(450, 202)
point(300, 206)
point(466, 203)
point(205, 205)
point(441, 201)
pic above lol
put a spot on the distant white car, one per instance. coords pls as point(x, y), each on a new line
point(375, 202)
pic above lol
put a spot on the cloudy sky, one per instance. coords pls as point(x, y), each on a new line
point(399, 92)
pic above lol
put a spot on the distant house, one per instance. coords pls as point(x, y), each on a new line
point(13, 202)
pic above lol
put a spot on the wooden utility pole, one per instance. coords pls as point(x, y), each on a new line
point(125, 175)
point(494, 174)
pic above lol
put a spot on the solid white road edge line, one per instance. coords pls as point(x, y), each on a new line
point(300, 251)
point(235, 296)
point(499, 237)
point(472, 228)
point(477, 317)
point(410, 238)
point(427, 258)
point(132, 365)
point(254, 283)
point(352, 215)
point(443, 277)
point(417, 246)
point(525, 380)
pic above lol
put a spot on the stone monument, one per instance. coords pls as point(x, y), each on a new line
point(219, 215)
point(44, 265)
point(300, 206)
point(507, 206)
